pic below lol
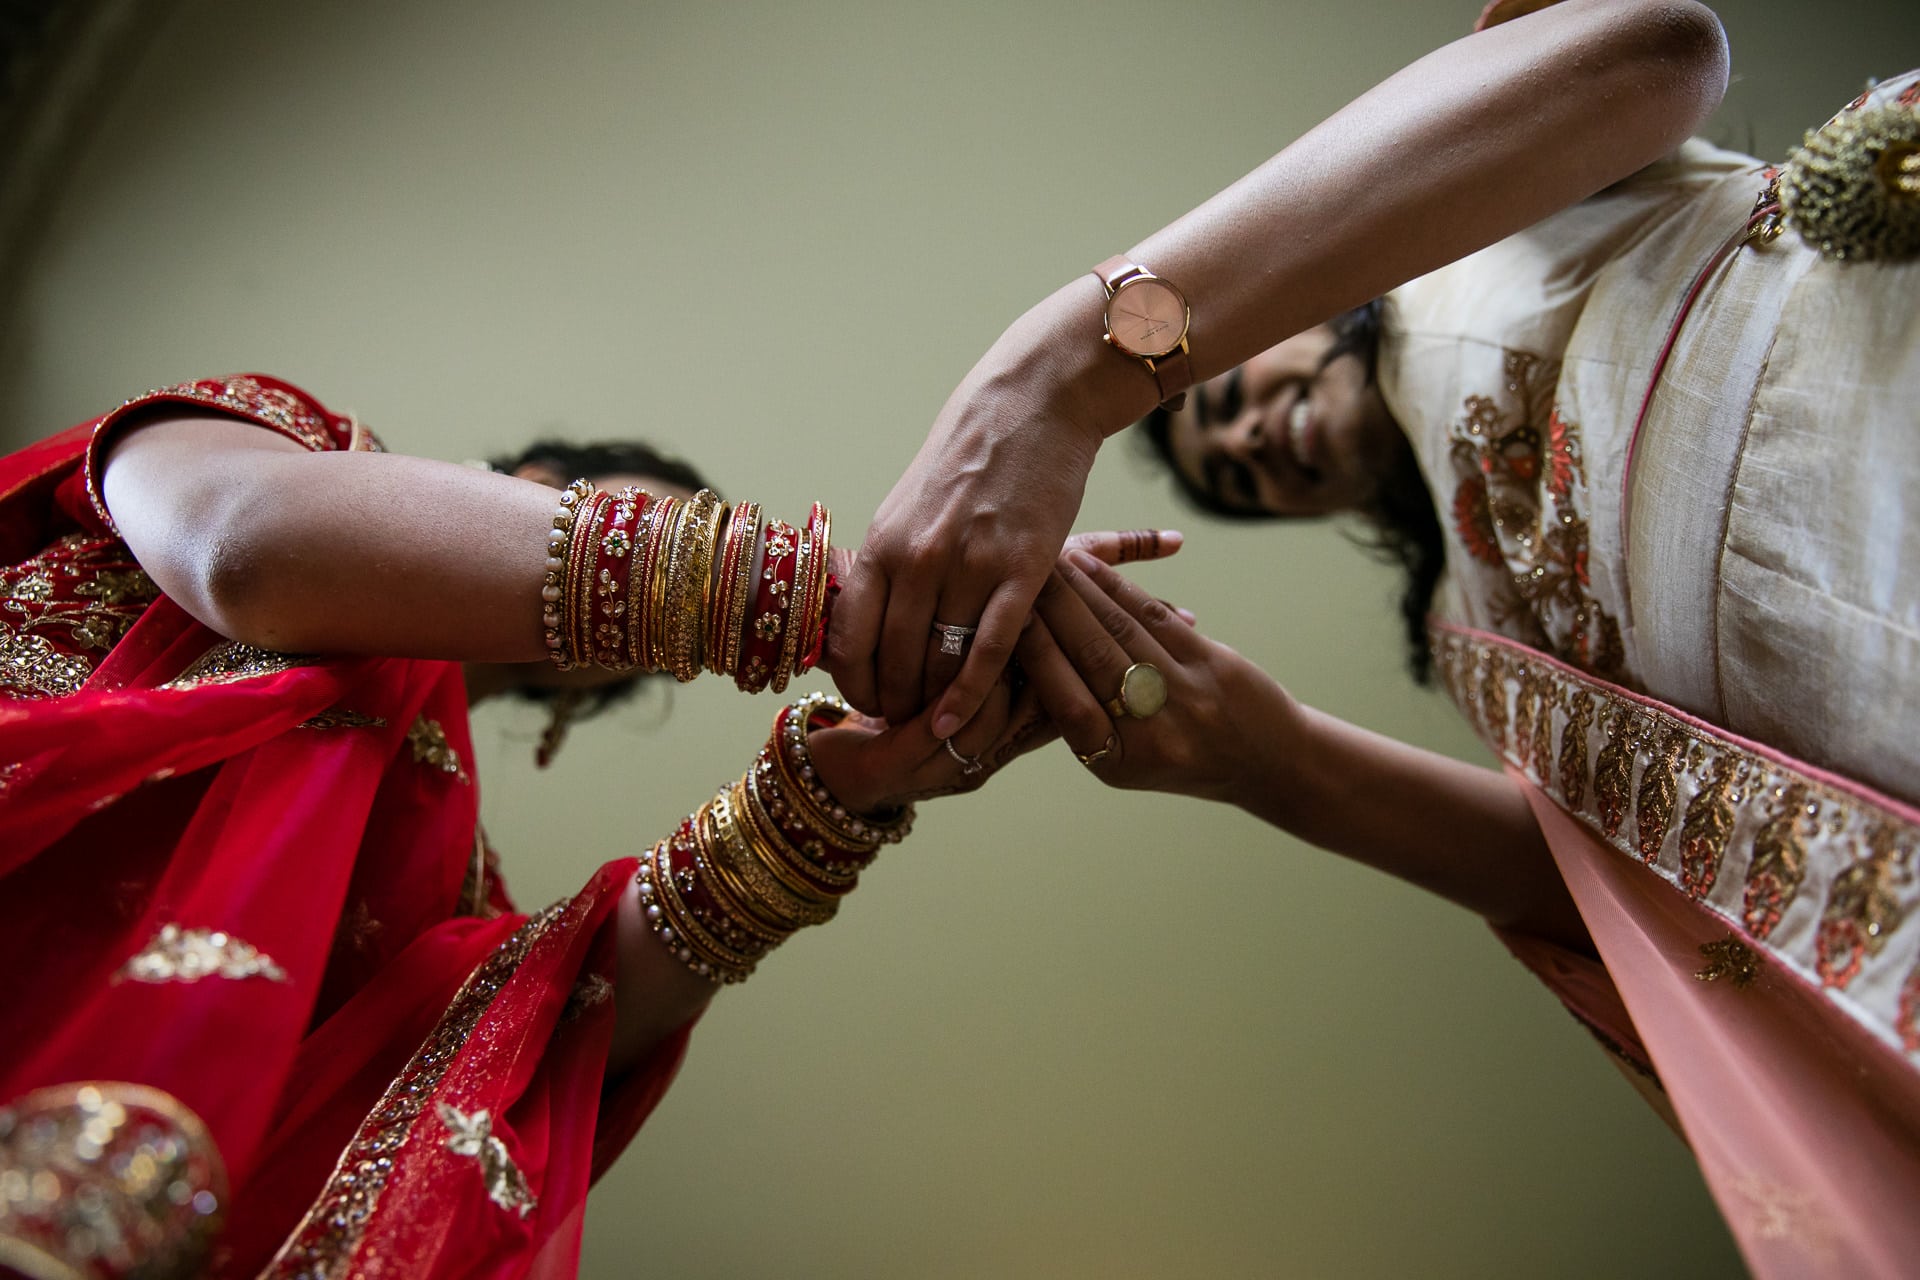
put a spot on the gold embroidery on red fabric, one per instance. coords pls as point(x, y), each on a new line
point(32, 664)
point(341, 718)
point(430, 747)
point(359, 930)
point(63, 607)
point(107, 1179)
point(1779, 858)
point(482, 867)
point(472, 1136)
point(589, 993)
point(1729, 958)
point(188, 955)
point(230, 661)
point(1862, 908)
point(251, 398)
point(322, 1246)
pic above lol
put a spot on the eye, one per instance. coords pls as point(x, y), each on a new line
point(1231, 397)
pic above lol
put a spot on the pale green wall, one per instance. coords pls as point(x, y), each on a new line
point(1064, 1031)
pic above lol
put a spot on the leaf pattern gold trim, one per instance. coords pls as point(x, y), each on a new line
point(1806, 870)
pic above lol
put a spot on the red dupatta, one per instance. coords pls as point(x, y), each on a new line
point(269, 999)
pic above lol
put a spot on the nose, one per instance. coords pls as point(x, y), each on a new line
point(1244, 437)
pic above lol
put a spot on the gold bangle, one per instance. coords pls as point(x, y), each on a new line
point(689, 567)
point(553, 594)
point(670, 518)
point(706, 634)
point(736, 858)
point(783, 669)
point(784, 862)
point(731, 965)
point(743, 542)
point(731, 898)
point(637, 584)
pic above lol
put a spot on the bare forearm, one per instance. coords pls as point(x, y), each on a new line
point(333, 552)
point(1455, 829)
point(1470, 144)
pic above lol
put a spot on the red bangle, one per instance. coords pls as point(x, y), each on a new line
point(767, 619)
point(814, 621)
point(582, 548)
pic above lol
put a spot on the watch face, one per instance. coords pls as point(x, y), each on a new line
point(1147, 317)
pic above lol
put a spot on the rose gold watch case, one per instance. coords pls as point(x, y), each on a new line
point(1147, 317)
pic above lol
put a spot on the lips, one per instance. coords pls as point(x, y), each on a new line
point(1295, 438)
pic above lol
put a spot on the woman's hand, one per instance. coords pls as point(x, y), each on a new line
point(1224, 725)
point(871, 766)
point(971, 530)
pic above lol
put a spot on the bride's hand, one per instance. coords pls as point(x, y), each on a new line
point(871, 766)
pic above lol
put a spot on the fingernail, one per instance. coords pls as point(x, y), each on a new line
point(1085, 561)
point(946, 724)
point(1188, 616)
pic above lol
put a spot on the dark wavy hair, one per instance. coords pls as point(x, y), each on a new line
point(1401, 526)
point(567, 461)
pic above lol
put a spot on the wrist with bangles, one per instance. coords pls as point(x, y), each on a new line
point(639, 582)
point(767, 856)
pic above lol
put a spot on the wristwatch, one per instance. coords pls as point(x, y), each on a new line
point(1147, 319)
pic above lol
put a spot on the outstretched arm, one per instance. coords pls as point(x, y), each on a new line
point(1228, 732)
point(1468, 145)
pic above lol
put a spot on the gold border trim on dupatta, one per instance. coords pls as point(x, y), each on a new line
point(327, 1238)
point(1817, 871)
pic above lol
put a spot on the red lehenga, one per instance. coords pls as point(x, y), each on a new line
point(269, 1008)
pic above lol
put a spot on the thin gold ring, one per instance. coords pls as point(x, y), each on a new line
point(1095, 757)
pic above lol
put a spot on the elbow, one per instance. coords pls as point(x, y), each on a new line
point(231, 584)
point(1679, 52)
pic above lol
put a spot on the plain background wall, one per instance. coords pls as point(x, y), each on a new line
point(1064, 1031)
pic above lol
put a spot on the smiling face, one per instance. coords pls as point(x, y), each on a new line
point(1288, 433)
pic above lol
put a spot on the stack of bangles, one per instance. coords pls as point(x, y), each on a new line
point(639, 582)
point(770, 854)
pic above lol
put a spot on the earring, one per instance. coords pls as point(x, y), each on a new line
point(565, 705)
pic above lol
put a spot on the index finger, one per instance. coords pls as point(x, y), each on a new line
point(1154, 616)
point(1128, 545)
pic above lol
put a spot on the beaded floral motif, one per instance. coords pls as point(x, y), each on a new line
point(1820, 877)
point(430, 747)
point(324, 1243)
point(472, 1136)
point(108, 1179)
point(188, 955)
point(1518, 507)
point(1728, 958)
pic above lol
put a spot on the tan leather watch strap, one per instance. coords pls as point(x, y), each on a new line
point(1113, 268)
